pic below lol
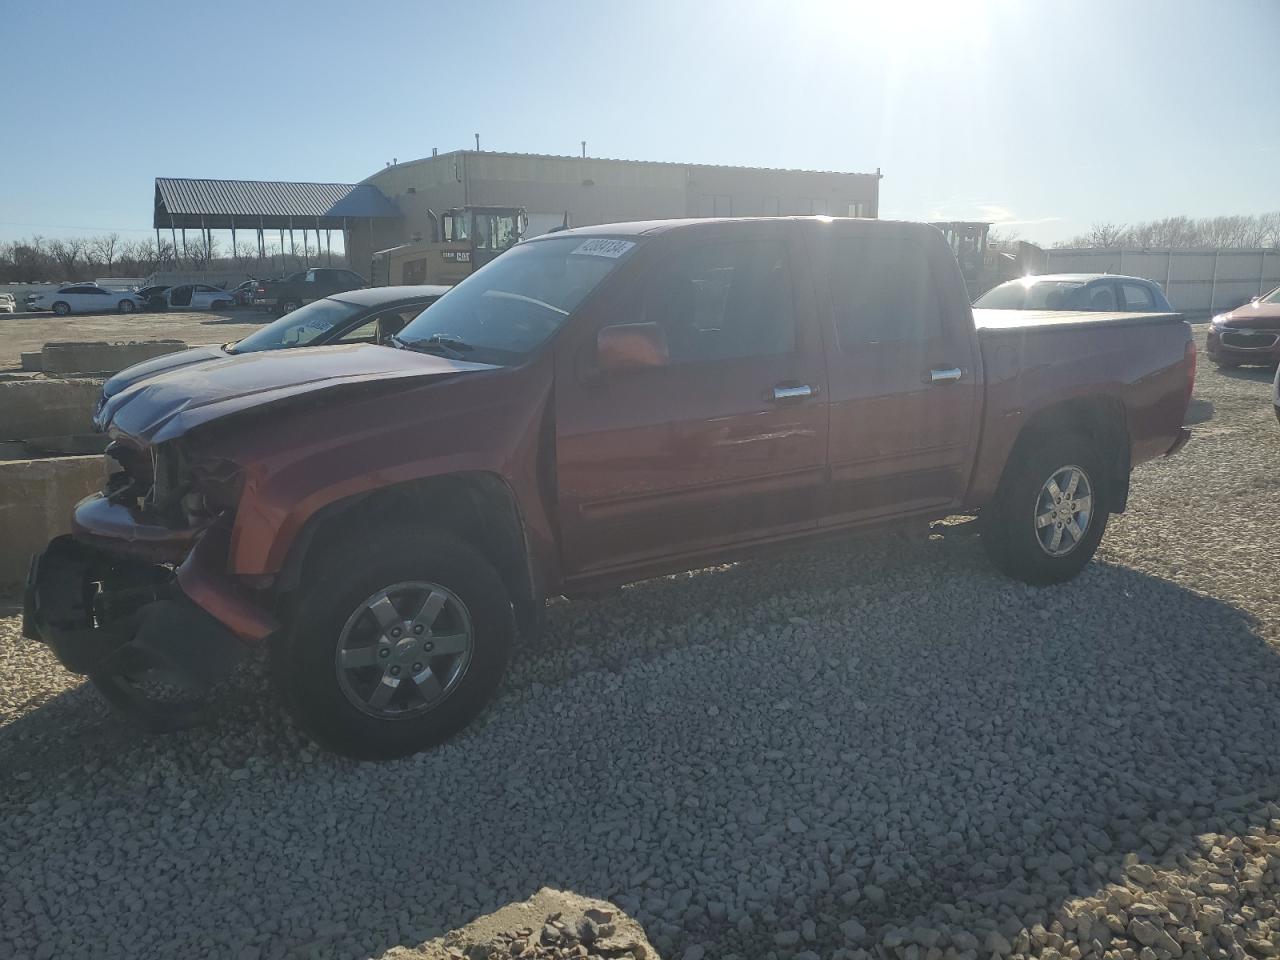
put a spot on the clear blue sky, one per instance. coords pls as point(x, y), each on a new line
point(1049, 115)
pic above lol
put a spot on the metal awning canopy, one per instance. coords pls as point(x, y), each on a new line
point(265, 204)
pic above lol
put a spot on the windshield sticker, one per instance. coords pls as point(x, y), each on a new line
point(600, 247)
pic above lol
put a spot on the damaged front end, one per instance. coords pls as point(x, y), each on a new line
point(109, 600)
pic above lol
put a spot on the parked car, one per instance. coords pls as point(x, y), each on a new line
point(1247, 334)
point(1077, 291)
point(593, 407)
point(305, 286)
point(152, 297)
point(357, 316)
point(84, 298)
point(243, 293)
point(197, 296)
point(7, 303)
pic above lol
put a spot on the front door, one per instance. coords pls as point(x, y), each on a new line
point(904, 379)
point(726, 444)
point(181, 296)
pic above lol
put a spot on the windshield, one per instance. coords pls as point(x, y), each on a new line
point(506, 309)
point(1273, 296)
point(299, 328)
point(1023, 295)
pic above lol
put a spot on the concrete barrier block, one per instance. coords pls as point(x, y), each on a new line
point(47, 408)
point(102, 357)
point(36, 501)
point(33, 361)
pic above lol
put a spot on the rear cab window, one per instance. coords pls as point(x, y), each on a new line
point(1137, 297)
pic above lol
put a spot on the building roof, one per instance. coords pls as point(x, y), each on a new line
point(651, 163)
point(273, 204)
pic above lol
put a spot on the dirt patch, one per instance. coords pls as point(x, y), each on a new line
point(26, 333)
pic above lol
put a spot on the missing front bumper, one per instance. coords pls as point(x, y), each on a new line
point(101, 614)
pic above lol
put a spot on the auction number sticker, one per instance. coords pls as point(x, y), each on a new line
point(600, 247)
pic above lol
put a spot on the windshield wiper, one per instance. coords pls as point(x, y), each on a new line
point(443, 344)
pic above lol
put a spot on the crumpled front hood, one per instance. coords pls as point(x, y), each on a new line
point(149, 368)
point(167, 405)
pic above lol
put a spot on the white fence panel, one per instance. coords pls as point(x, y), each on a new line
point(1195, 281)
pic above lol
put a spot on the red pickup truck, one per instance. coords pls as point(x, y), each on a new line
point(594, 407)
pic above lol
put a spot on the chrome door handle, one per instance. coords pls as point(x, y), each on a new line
point(943, 374)
point(793, 391)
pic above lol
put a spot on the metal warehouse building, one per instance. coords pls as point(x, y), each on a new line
point(392, 206)
point(591, 190)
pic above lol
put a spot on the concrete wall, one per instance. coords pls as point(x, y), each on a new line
point(1195, 281)
point(35, 407)
point(36, 500)
point(95, 356)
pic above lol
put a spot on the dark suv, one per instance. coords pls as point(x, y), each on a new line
point(289, 294)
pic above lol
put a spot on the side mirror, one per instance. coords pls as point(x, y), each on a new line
point(631, 346)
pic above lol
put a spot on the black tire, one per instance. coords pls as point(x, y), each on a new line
point(1009, 531)
point(126, 306)
point(61, 308)
point(289, 306)
point(1225, 364)
point(338, 584)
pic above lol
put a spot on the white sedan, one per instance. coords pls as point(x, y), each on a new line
point(7, 303)
point(198, 296)
point(84, 298)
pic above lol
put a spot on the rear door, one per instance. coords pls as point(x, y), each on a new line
point(726, 444)
point(904, 383)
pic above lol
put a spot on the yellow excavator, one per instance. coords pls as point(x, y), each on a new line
point(984, 263)
point(463, 240)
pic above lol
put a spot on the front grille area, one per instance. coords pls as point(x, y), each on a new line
point(1249, 339)
point(136, 476)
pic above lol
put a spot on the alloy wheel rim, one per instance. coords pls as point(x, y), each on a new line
point(404, 650)
point(1064, 511)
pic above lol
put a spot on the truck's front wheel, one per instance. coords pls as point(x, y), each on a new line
point(1050, 512)
point(396, 644)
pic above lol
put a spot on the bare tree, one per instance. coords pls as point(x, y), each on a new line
point(68, 253)
point(106, 248)
point(1226, 232)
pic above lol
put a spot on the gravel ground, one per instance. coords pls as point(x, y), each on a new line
point(881, 746)
point(28, 332)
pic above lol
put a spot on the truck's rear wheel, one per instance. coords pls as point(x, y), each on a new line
point(396, 644)
point(1049, 513)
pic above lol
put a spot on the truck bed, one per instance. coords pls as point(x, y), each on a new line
point(1064, 319)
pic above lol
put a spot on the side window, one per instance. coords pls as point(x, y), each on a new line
point(365, 333)
point(312, 276)
point(722, 300)
point(95, 291)
point(1102, 296)
point(882, 291)
point(1137, 297)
